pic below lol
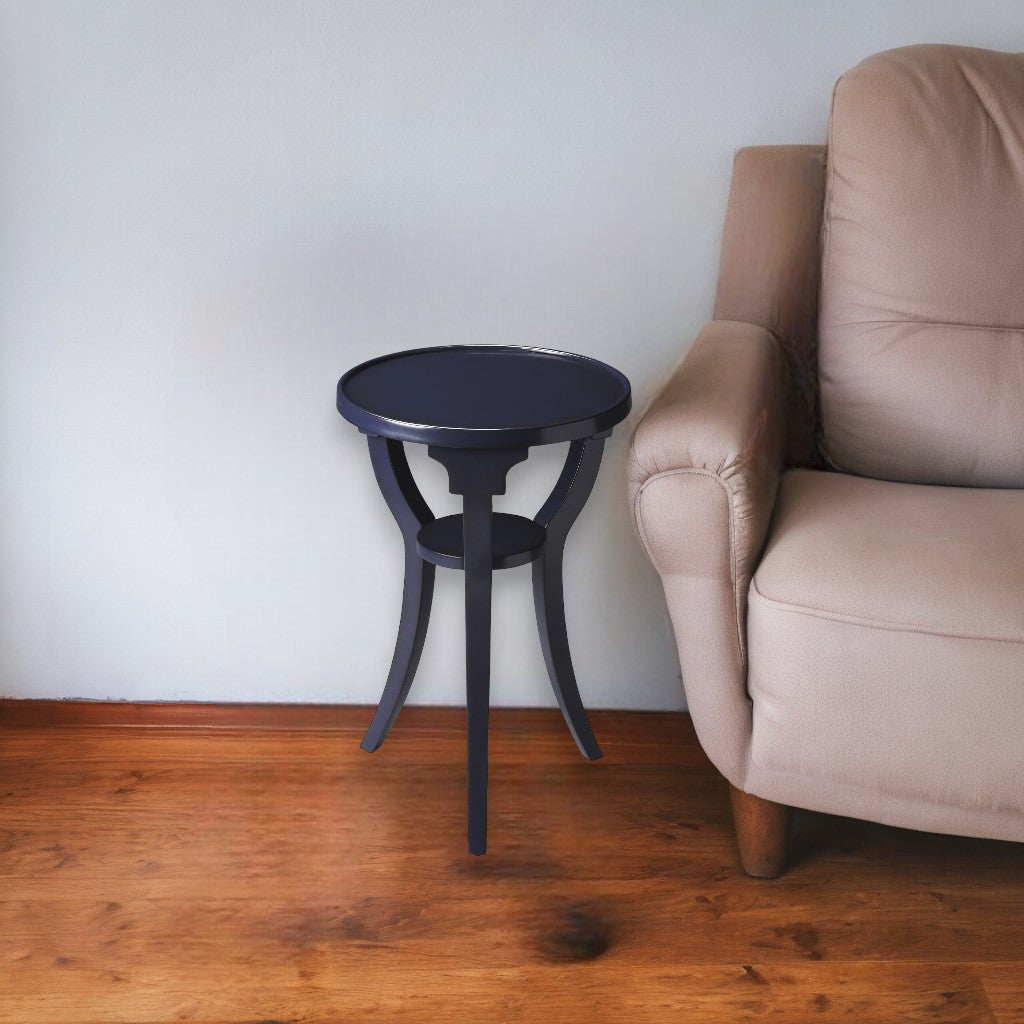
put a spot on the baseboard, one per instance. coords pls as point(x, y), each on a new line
point(48, 714)
point(180, 714)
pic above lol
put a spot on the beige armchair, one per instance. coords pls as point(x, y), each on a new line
point(833, 491)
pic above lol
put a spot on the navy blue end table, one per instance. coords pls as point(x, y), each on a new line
point(479, 409)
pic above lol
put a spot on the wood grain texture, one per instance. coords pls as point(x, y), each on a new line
point(762, 833)
point(136, 714)
point(230, 875)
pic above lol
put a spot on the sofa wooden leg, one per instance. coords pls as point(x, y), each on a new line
point(762, 831)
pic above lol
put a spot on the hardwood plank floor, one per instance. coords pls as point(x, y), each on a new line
point(245, 875)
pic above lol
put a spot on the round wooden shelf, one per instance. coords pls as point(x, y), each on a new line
point(515, 540)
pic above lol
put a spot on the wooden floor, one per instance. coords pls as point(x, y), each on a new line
point(268, 875)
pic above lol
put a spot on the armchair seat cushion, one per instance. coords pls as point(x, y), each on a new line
point(886, 653)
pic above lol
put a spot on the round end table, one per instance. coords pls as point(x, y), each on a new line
point(479, 409)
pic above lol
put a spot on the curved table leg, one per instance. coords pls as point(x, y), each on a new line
point(407, 505)
point(554, 641)
point(412, 631)
point(557, 516)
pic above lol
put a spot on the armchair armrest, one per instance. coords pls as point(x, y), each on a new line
point(704, 468)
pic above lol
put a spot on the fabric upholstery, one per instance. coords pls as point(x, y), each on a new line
point(703, 471)
point(886, 639)
point(770, 266)
point(854, 644)
point(921, 346)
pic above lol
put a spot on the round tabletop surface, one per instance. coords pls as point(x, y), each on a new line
point(484, 396)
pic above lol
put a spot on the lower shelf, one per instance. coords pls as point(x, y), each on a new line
point(515, 540)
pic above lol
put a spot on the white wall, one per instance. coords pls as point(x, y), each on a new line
point(210, 210)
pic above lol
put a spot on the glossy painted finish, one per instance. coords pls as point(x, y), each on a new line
point(411, 513)
point(557, 516)
point(479, 409)
point(484, 396)
point(515, 540)
point(477, 475)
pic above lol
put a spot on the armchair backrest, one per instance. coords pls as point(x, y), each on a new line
point(921, 320)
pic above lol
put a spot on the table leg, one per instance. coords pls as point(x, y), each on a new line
point(477, 474)
point(554, 641)
point(412, 631)
point(557, 516)
point(478, 563)
point(411, 512)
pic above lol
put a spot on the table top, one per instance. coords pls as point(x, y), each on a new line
point(484, 396)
